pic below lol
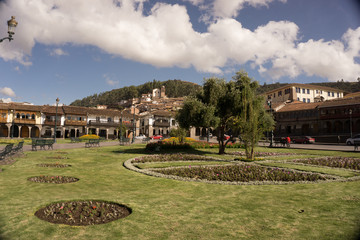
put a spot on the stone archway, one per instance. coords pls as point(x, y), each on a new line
point(4, 131)
point(14, 131)
point(35, 132)
point(25, 133)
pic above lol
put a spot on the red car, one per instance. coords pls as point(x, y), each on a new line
point(305, 139)
point(156, 137)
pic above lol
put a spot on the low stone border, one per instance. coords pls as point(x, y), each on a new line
point(129, 165)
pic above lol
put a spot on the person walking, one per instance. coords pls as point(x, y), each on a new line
point(288, 140)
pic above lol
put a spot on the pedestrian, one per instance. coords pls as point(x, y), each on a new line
point(288, 140)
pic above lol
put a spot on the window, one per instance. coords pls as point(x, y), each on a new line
point(22, 115)
point(338, 94)
point(69, 118)
point(280, 93)
point(320, 91)
point(308, 100)
point(287, 91)
point(332, 94)
point(98, 119)
point(317, 91)
point(304, 100)
point(32, 116)
point(303, 90)
point(27, 116)
point(308, 91)
point(328, 94)
point(298, 99)
point(298, 90)
point(109, 119)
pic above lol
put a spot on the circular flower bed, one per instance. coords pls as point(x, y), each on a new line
point(55, 165)
point(261, 154)
point(53, 179)
point(81, 213)
point(338, 162)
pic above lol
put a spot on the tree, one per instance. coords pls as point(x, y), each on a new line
point(179, 133)
point(212, 107)
point(251, 120)
point(228, 107)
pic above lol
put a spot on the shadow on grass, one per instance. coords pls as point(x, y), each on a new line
point(163, 151)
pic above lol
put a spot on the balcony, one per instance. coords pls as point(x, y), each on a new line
point(52, 122)
point(24, 121)
point(103, 123)
point(161, 124)
point(3, 120)
point(75, 123)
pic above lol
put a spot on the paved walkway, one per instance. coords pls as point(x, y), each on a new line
point(58, 146)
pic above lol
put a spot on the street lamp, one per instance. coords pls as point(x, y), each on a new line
point(12, 23)
point(57, 102)
point(272, 131)
point(134, 128)
point(12, 125)
point(350, 112)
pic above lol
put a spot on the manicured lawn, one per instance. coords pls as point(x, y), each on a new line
point(171, 209)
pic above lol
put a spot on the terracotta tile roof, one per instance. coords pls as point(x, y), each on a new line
point(75, 110)
point(341, 102)
point(351, 95)
point(309, 86)
point(299, 106)
point(162, 113)
point(20, 107)
point(52, 110)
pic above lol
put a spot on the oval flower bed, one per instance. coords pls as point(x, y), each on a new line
point(337, 162)
point(80, 213)
point(242, 173)
point(53, 179)
point(55, 165)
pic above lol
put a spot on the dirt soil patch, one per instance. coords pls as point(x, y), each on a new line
point(82, 213)
point(53, 179)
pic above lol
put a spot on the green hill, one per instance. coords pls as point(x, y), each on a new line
point(174, 88)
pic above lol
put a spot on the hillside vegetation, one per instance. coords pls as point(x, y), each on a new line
point(179, 88)
point(174, 88)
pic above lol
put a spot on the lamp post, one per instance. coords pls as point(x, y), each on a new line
point(12, 23)
point(272, 131)
point(350, 112)
point(134, 128)
point(12, 123)
point(57, 102)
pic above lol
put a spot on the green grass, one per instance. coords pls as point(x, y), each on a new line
point(170, 209)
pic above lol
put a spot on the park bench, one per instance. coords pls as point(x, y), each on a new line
point(75, 140)
point(6, 151)
point(18, 148)
point(42, 143)
point(356, 144)
point(124, 141)
point(92, 143)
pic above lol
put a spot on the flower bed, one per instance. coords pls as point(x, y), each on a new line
point(261, 154)
point(171, 157)
point(80, 213)
point(55, 165)
point(338, 162)
point(53, 179)
point(242, 173)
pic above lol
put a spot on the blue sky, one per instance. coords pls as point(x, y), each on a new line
point(71, 49)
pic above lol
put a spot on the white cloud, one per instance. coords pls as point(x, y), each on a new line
point(5, 100)
point(231, 8)
point(109, 81)
point(164, 37)
point(58, 52)
point(7, 92)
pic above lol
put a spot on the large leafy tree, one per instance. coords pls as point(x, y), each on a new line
point(251, 119)
point(228, 107)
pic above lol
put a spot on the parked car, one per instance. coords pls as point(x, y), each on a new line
point(304, 139)
point(350, 141)
point(156, 137)
point(141, 137)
